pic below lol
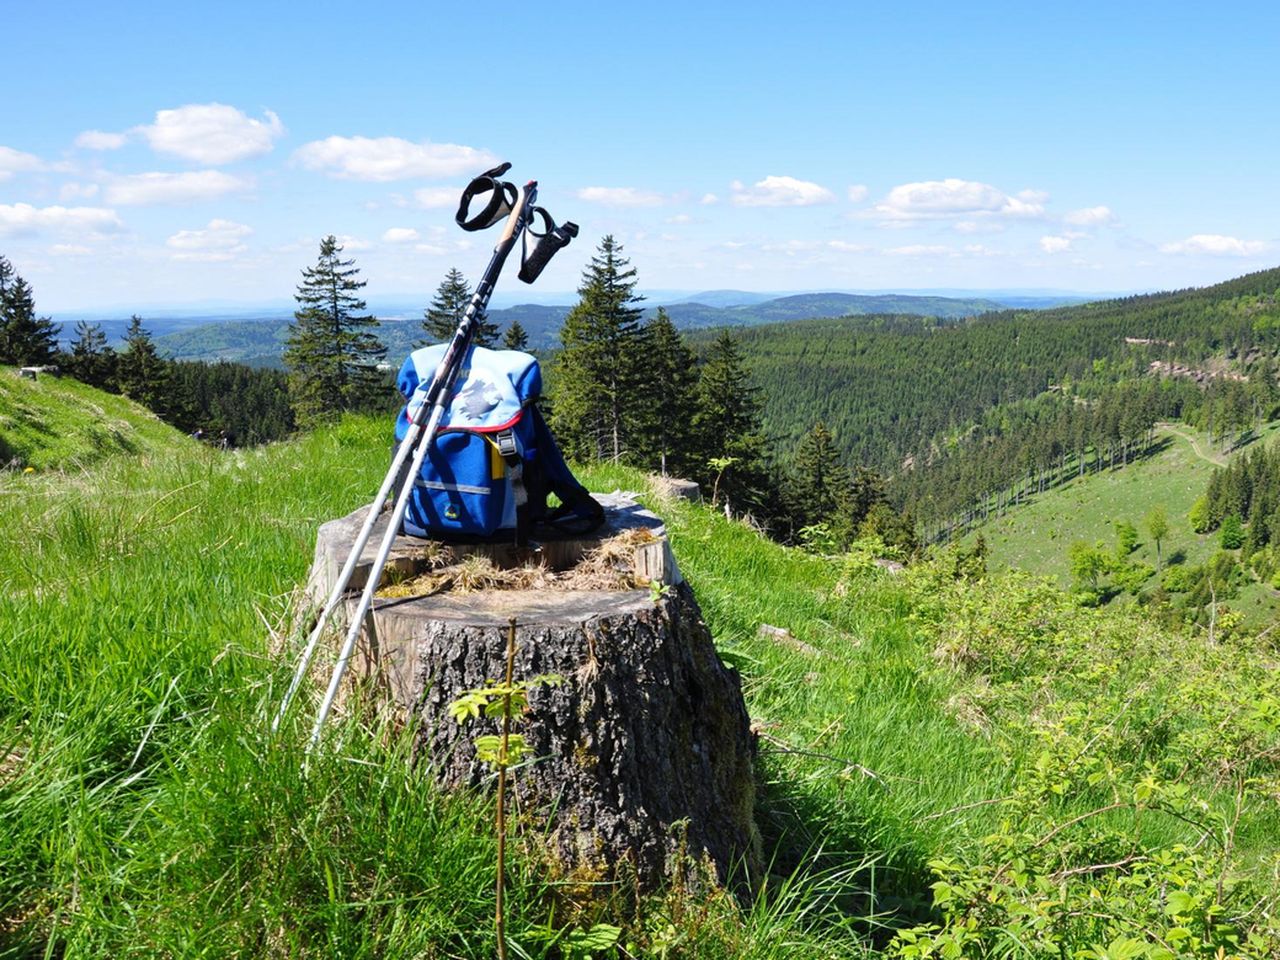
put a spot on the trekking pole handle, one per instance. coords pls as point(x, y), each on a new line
point(520, 212)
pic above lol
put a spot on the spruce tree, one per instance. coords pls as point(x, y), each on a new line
point(92, 361)
point(447, 309)
point(818, 483)
point(141, 373)
point(668, 394)
point(515, 338)
point(331, 354)
point(25, 339)
point(596, 401)
point(861, 497)
point(728, 427)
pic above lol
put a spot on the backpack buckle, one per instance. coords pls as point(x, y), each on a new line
point(505, 441)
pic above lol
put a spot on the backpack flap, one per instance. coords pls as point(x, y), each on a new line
point(492, 388)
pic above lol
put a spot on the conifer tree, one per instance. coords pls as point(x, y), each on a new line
point(515, 338)
point(668, 392)
point(25, 339)
point(92, 361)
point(728, 426)
point(863, 499)
point(331, 354)
point(596, 401)
point(817, 483)
point(447, 309)
point(141, 374)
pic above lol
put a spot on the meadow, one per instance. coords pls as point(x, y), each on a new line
point(1037, 536)
point(945, 758)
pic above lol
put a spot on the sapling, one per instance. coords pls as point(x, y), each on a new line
point(506, 700)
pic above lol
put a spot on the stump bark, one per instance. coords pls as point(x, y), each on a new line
point(643, 754)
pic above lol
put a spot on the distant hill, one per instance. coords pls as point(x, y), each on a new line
point(724, 298)
point(805, 306)
point(59, 422)
point(261, 341)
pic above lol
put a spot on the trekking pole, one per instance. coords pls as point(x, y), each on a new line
point(501, 200)
point(432, 409)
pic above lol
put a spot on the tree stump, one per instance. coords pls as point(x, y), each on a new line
point(644, 756)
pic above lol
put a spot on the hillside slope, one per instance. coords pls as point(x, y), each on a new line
point(1037, 535)
point(896, 387)
point(59, 422)
point(916, 732)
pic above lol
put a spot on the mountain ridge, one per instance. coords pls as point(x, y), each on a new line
point(257, 340)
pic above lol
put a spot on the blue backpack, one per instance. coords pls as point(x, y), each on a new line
point(494, 462)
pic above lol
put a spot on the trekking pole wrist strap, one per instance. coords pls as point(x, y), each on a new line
point(501, 199)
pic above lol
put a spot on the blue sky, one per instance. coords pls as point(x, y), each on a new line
point(167, 154)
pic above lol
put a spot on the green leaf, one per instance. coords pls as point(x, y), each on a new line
point(600, 937)
point(1124, 948)
point(488, 748)
point(1179, 902)
point(468, 706)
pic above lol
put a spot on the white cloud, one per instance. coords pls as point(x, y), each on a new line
point(1216, 245)
point(221, 240)
point(212, 133)
point(432, 198)
point(780, 192)
point(24, 219)
point(979, 250)
point(857, 193)
point(921, 250)
point(350, 243)
point(1055, 244)
point(680, 218)
point(621, 196)
point(978, 226)
point(14, 161)
point(77, 191)
point(142, 189)
point(400, 235)
point(69, 250)
point(100, 140)
point(431, 249)
point(967, 199)
point(845, 247)
point(390, 158)
point(1090, 217)
point(708, 199)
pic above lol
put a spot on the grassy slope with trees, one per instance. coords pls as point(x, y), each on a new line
point(1037, 536)
point(951, 760)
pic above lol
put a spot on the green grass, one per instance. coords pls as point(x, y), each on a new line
point(61, 423)
point(1036, 536)
point(145, 812)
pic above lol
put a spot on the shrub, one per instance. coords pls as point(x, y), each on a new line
point(1201, 522)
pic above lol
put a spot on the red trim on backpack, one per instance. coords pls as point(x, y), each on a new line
point(498, 429)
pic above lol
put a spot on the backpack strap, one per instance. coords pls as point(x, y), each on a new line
point(509, 450)
point(579, 512)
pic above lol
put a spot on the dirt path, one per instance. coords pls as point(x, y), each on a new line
point(1195, 446)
